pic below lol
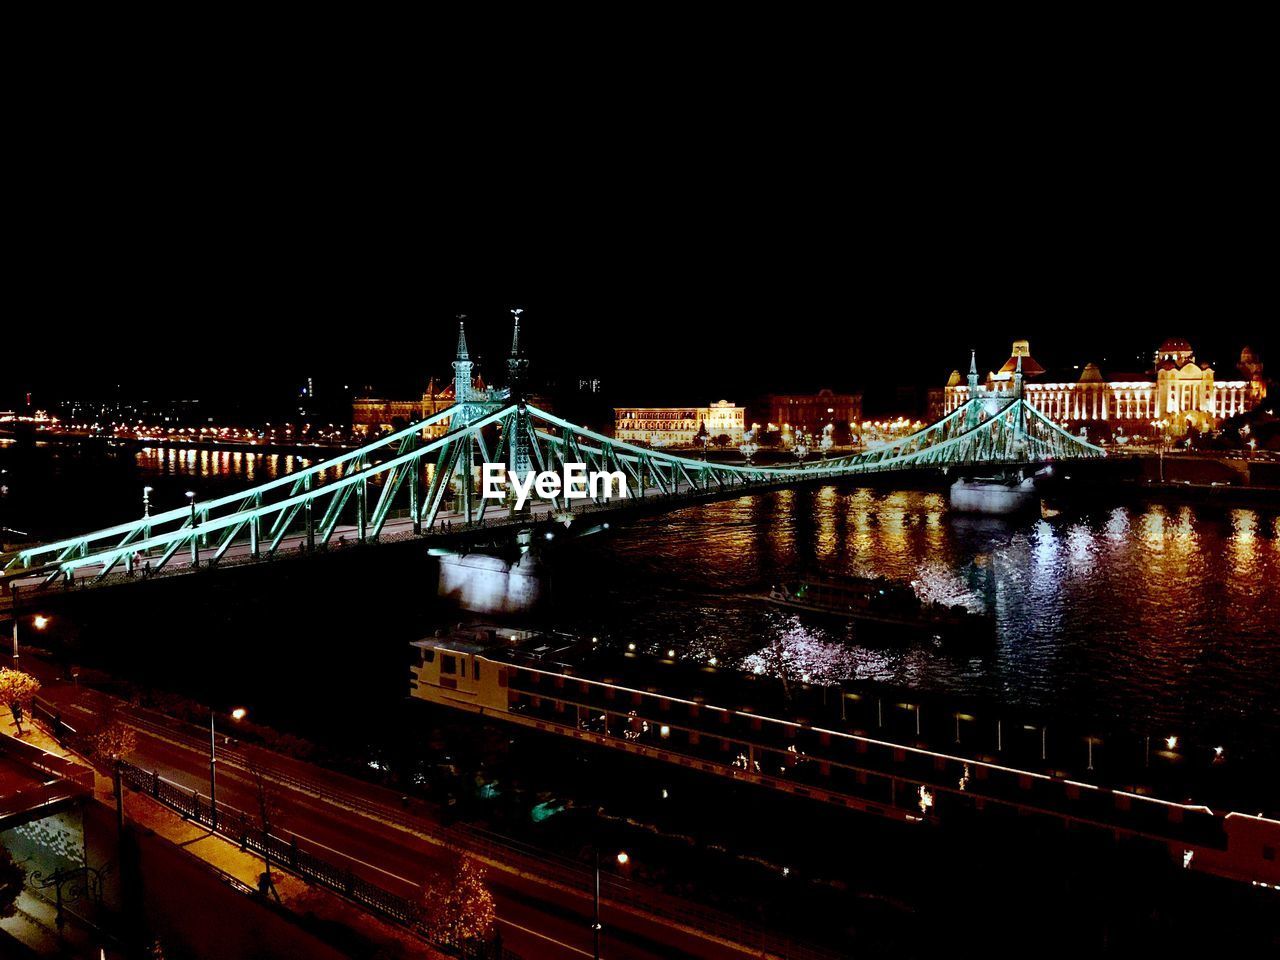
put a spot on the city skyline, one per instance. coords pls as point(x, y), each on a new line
point(876, 361)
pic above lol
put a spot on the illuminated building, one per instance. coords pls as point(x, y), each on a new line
point(374, 414)
point(811, 412)
point(678, 426)
point(1177, 390)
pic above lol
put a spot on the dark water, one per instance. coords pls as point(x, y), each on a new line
point(1153, 618)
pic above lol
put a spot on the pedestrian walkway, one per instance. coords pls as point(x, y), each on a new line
point(240, 868)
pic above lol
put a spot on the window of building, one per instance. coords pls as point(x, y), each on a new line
point(476, 668)
point(448, 664)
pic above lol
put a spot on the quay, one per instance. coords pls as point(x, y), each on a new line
point(850, 752)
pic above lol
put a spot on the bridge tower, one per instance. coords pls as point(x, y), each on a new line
point(517, 365)
point(1020, 424)
point(462, 375)
point(971, 416)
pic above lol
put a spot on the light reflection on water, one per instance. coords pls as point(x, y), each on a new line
point(1156, 616)
point(1150, 616)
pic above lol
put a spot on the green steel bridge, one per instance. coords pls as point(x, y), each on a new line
point(421, 481)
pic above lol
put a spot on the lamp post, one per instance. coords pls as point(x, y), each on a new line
point(195, 541)
point(39, 621)
point(801, 448)
point(237, 714)
point(595, 922)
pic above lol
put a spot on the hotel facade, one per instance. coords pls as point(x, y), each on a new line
point(678, 426)
point(1177, 393)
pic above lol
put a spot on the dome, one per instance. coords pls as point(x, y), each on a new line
point(1247, 355)
point(1091, 374)
point(1175, 345)
point(954, 380)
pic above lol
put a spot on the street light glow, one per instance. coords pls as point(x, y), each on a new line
point(623, 859)
point(239, 713)
point(40, 622)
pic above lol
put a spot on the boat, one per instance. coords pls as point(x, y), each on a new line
point(993, 495)
point(891, 608)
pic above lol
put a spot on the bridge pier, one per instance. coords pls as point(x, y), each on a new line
point(491, 585)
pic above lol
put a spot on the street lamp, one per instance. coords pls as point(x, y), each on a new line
point(39, 621)
point(146, 501)
point(826, 443)
point(801, 448)
point(239, 713)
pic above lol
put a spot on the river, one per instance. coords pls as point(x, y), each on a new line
point(1154, 618)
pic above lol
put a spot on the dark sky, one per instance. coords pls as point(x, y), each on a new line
point(681, 245)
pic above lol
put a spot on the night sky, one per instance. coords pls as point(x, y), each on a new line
point(682, 257)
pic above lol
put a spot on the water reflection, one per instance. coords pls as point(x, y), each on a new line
point(1141, 615)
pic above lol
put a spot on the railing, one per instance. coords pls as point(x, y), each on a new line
point(458, 837)
point(246, 830)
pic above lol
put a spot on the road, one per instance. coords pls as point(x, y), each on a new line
point(398, 844)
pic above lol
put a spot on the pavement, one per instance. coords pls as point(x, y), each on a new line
point(543, 906)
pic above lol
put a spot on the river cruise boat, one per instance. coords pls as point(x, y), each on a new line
point(886, 607)
point(859, 746)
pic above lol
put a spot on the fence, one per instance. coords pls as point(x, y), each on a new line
point(246, 830)
point(459, 837)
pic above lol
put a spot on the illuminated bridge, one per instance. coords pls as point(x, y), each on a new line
point(422, 481)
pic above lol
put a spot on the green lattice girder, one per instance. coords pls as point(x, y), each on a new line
point(989, 429)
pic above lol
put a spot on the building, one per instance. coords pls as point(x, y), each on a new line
point(678, 426)
point(811, 412)
point(1175, 394)
point(371, 415)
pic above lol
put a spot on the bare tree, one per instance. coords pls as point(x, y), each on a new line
point(269, 816)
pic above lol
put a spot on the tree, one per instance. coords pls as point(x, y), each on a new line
point(269, 815)
point(459, 907)
point(12, 878)
point(17, 690)
point(722, 440)
point(113, 739)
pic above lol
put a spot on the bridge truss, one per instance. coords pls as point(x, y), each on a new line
point(357, 493)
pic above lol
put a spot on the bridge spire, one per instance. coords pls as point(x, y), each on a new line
point(1017, 378)
point(518, 445)
point(516, 363)
point(462, 366)
point(462, 338)
point(971, 417)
